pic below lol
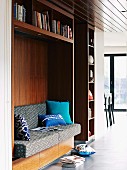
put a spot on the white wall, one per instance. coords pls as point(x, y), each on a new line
point(115, 42)
point(115, 49)
point(5, 85)
point(100, 118)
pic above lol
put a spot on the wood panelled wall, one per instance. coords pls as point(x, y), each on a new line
point(42, 71)
point(60, 72)
point(30, 70)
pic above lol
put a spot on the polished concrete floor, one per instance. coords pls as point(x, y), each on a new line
point(111, 150)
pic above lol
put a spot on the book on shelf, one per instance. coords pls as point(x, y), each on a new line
point(66, 31)
point(39, 21)
point(43, 19)
point(54, 26)
point(19, 12)
point(34, 18)
point(46, 20)
point(16, 11)
point(58, 27)
point(24, 14)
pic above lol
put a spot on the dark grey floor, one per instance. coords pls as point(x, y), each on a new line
point(111, 150)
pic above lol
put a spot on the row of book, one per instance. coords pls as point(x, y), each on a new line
point(19, 12)
point(43, 21)
point(61, 29)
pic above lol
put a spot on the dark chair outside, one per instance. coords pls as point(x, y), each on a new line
point(109, 109)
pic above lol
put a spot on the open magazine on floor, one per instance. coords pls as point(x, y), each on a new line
point(72, 161)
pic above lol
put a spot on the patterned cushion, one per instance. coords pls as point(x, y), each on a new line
point(50, 120)
point(30, 113)
point(21, 128)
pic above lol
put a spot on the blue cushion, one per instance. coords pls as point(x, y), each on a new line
point(84, 150)
point(50, 120)
point(21, 128)
point(62, 108)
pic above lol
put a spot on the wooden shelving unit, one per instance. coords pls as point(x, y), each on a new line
point(84, 34)
point(91, 85)
point(42, 61)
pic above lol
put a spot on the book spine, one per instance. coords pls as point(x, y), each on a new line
point(16, 11)
point(20, 13)
point(68, 29)
point(48, 22)
point(65, 31)
point(34, 18)
point(58, 27)
point(42, 18)
point(54, 26)
point(70, 34)
point(45, 21)
point(24, 14)
point(61, 29)
point(39, 23)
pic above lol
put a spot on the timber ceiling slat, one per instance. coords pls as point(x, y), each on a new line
point(106, 18)
point(82, 13)
point(114, 13)
point(89, 15)
point(107, 15)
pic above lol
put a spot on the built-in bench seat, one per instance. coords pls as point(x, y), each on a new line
point(62, 138)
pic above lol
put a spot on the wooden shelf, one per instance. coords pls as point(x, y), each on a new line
point(91, 100)
point(91, 82)
point(91, 64)
point(91, 118)
point(91, 46)
point(35, 31)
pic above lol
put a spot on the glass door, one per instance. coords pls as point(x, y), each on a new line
point(120, 82)
point(115, 75)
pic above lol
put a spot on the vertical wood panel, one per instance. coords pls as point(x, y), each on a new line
point(81, 80)
point(60, 73)
point(66, 146)
point(30, 80)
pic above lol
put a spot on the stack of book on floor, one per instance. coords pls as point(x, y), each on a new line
point(72, 161)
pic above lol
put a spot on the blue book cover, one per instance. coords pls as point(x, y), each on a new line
point(15, 11)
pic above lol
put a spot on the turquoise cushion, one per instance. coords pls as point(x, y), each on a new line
point(62, 108)
point(51, 120)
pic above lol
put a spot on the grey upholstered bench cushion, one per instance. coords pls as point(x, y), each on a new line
point(39, 141)
point(42, 140)
point(69, 131)
point(30, 113)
